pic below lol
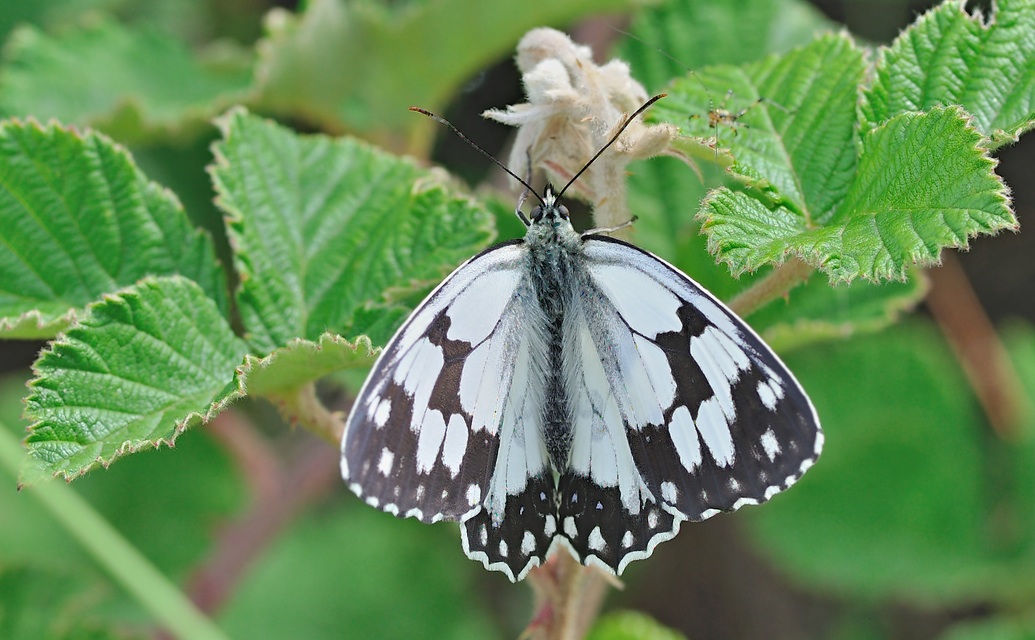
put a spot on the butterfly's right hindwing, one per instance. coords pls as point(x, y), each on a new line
point(424, 434)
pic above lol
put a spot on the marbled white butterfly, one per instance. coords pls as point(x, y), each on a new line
point(572, 390)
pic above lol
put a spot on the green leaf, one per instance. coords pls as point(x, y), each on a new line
point(924, 182)
point(664, 199)
point(323, 228)
point(631, 625)
point(286, 377)
point(132, 84)
point(672, 36)
point(799, 142)
point(302, 362)
point(949, 56)
point(339, 64)
point(344, 573)
point(141, 367)
point(174, 497)
point(78, 219)
point(904, 503)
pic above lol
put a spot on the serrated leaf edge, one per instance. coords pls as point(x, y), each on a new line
point(252, 362)
point(129, 446)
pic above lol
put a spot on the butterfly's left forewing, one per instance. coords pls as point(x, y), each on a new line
point(424, 433)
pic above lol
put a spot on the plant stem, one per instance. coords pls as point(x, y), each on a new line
point(781, 280)
point(568, 597)
point(977, 346)
point(281, 486)
point(302, 406)
point(123, 562)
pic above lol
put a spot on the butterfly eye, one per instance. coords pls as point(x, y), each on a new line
point(537, 214)
point(563, 211)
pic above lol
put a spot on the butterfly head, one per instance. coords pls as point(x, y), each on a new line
point(550, 210)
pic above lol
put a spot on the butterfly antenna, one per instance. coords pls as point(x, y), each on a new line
point(485, 153)
point(625, 124)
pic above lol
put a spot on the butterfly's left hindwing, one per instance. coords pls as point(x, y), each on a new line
point(422, 437)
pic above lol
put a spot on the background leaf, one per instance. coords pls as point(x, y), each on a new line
point(347, 573)
point(78, 219)
point(674, 36)
point(301, 68)
point(924, 183)
point(133, 84)
point(821, 312)
point(139, 368)
point(302, 362)
point(321, 228)
point(951, 57)
point(901, 504)
point(801, 139)
point(630, 625)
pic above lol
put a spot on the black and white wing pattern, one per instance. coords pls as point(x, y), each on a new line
point(680, 410)
point(575, 392)
point(426, 429)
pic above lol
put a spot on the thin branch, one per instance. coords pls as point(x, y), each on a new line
point(568, 597)
point(778, 283)
point(974, 340)
point(302, 406)
point(308, 474)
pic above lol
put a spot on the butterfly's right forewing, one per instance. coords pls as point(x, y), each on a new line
point(424, 435)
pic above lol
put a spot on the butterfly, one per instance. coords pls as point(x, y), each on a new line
point(572, 391)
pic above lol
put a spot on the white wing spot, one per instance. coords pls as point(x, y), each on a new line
point(550, 526)
point(474, 494)
point(384, 465)
point(527, 543)
point(455, 445)
point(715, 430)
point(483, 535)
point(569, 527)
point(669, 492)
point(769, 392)
point(652, 519)
point(373, 501)
point(628, 540)
point(419, 494)
point(429, 440)
point(734, 485)
point(503, 548)
point(596, 540)
point(684, 437)
point(720, 360)
point(381, 413)
point(771, 446)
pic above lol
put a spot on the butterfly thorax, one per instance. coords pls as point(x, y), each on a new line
point(556, 271)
